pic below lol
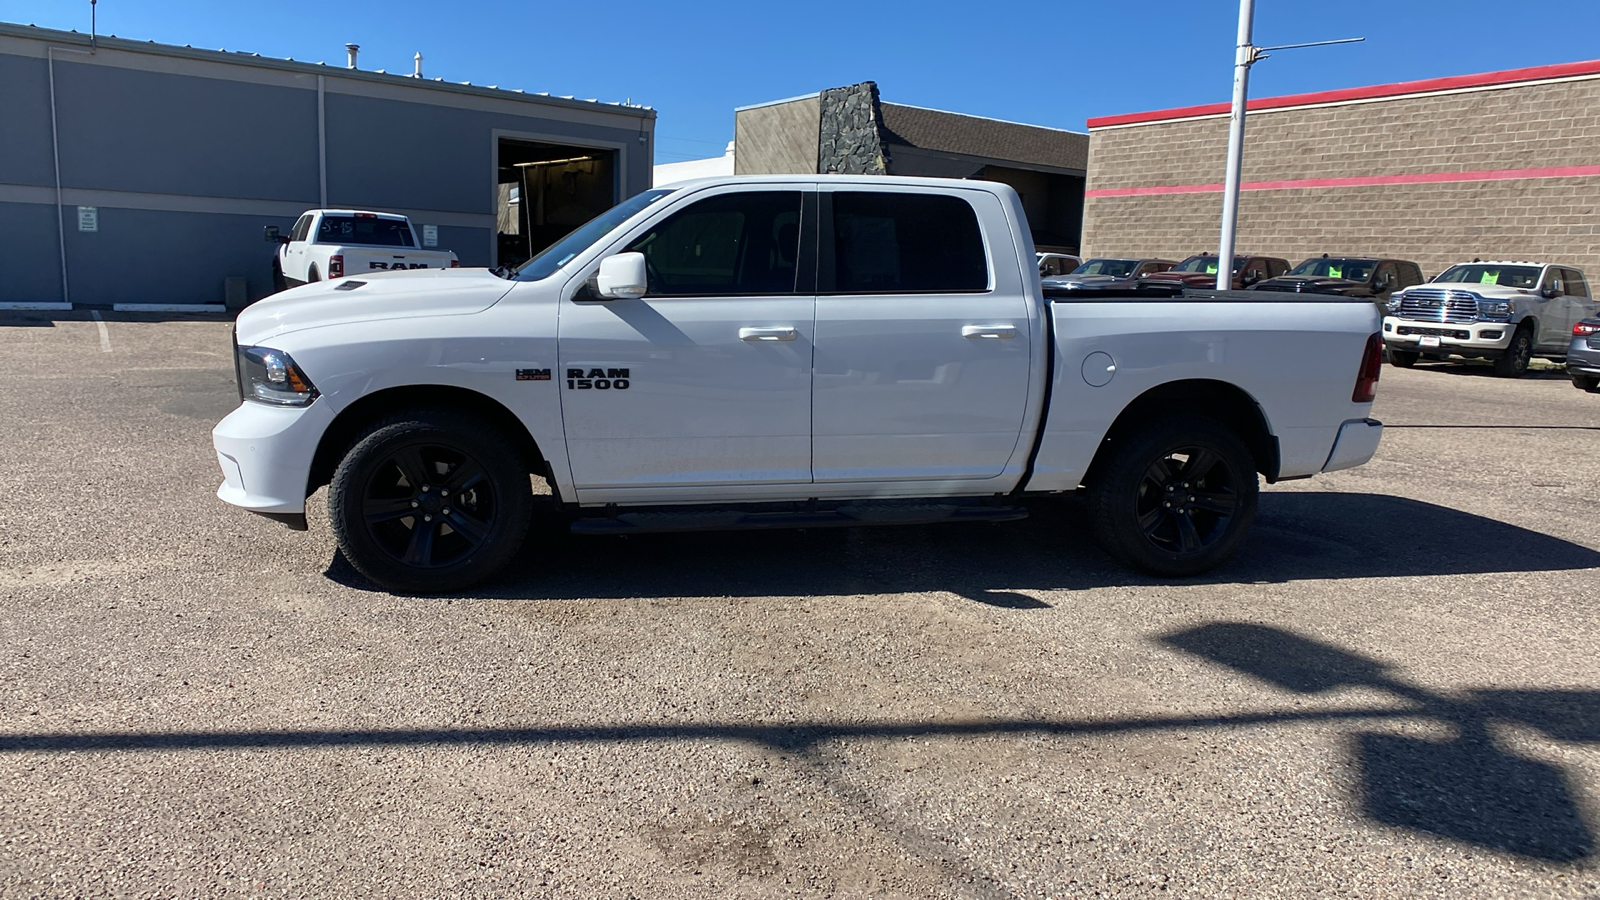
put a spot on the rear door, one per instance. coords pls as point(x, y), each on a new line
point(1580, 304)
point(705, 380)
point(923, 341)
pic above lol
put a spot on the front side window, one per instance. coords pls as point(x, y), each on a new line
point(898, 243)
point(301, 226)
point(739, 244)
point(374, 231)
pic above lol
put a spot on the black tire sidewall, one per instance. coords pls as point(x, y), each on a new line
point(1403, 359)
point(467, 434)
point(1514, 364)
point(1114, 491)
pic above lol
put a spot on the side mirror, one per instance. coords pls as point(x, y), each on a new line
point(622, 277)
point(1549, 292)
point(1249, 278)
point(270, 233)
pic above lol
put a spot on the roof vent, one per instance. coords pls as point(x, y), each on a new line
point(354, 49)
point(417, 73)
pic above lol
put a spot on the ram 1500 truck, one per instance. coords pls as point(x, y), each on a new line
point(1507, 312)
point(333, 243)
point(771, 351)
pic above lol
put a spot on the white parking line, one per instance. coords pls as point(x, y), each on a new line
point(105, 336)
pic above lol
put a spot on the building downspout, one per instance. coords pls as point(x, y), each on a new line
point(55, 152)
point(322, 144)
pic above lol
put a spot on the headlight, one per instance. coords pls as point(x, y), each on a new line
point(1495, 309)
point(270, 376)
point(1393, 303)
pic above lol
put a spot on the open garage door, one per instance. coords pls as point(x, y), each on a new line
point(547, 190)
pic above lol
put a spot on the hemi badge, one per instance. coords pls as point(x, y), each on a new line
point(533, 374)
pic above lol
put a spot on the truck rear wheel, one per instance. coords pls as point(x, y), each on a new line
point(312, 275)
point(1403, 359)
point(430, 501)
point(1176, 498)
point(1514, 362)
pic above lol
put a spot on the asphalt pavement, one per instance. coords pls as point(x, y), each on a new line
point(1391, 692)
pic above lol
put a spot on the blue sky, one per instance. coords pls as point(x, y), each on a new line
point(1053, 64)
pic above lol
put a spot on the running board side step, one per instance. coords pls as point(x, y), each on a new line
point(724, 519)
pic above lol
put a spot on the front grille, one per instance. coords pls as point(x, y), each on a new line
point(1435, 332)
point(1436, 305)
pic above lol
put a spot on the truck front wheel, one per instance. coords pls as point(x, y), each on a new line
point(1403, 359)
point(1176, 496)
point(1514, 362)
point(430, 501)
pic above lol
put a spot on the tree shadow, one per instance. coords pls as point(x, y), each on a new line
point(1297, 536)
point(1466, 788)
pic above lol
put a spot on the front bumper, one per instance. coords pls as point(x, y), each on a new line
point(265, 453)
point(1442, 337)
point(1357, 442)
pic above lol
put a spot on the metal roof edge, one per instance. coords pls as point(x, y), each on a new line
point(986, 118)
point(739, 109)
point(247, 58)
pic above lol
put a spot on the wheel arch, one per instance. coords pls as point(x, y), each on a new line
point(348, 425)
point(1219, 400)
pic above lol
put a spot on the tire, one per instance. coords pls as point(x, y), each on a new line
point(1590, 383)
point(1403, 359)
point(312, 275)
point(1514, 362)
point(471, 485)
point(1128, 496)
point(278, 284)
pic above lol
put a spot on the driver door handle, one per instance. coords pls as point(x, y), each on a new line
point(1003, 332)
point(767, 335)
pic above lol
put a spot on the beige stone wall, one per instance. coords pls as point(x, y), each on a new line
point(1536, 126)
point(777, 139)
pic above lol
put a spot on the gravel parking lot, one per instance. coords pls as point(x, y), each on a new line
point(1392, 692)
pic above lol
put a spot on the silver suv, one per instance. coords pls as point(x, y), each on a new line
point(1508, 312)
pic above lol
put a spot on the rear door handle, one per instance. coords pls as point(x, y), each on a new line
point(1002, 332)
point(767, 335)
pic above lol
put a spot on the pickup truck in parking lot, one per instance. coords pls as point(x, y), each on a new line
point(1507, 312)
point(783, 351)
point(1352, 276)
point(333, 243)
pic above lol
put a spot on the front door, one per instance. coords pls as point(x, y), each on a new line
point(705, 380)
point(923, 341)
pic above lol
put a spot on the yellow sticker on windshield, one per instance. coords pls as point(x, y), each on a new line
point(1335, 272)
point(1490, 278)
point(1211, 270)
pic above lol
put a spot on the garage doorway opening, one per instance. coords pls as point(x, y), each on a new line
point(545, 191)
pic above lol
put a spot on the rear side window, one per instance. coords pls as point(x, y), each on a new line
point(894, 243)
point(372, 230)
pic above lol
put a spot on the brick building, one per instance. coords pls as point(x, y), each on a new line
point(1500, 165)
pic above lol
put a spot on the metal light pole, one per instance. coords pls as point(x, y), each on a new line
point(1245, 56)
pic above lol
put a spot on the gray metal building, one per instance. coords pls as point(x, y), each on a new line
point(142, 173)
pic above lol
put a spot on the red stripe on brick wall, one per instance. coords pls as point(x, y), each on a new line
point(1358, 181)
point(1400, 89)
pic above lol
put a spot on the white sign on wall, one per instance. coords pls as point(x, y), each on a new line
point(430, 235)
point(88, 218)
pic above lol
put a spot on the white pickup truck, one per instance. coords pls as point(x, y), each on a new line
point(801, 351)
point(331, 243)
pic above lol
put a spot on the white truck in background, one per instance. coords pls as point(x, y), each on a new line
point(331, 243)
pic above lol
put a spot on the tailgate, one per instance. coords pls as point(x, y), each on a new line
point(359, 260)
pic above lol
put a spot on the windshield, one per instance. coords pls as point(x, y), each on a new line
point(1117, 268)
point(1352, 269)
point(1487, 273)
point(1206, 264)
point(561, 252)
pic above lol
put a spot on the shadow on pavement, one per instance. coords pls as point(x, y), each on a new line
point(1466, 788)
point(1297, 536)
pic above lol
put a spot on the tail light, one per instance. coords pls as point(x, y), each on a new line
point(1371, 366)
point(1585, 328)
point(336, 266)
point(455, 263)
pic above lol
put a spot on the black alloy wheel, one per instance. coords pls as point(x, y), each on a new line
point(430, 502)
point(1514, 362)
point(1177, 497)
